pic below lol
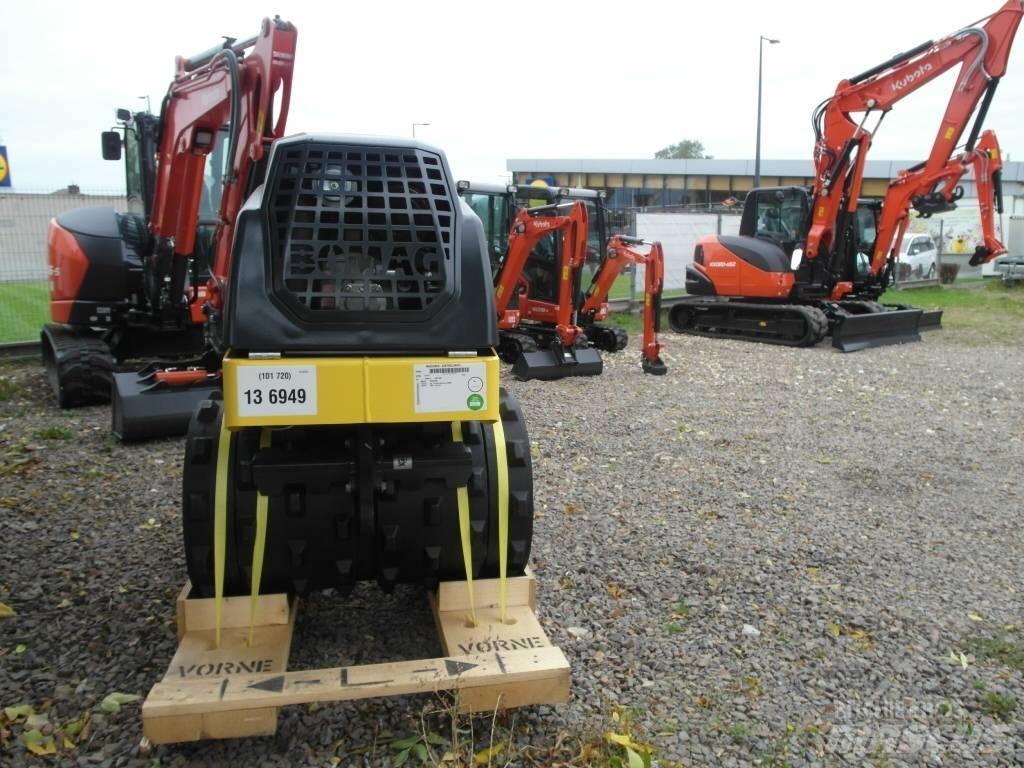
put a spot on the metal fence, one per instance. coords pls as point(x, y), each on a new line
point(677, 229)
point(24, 216)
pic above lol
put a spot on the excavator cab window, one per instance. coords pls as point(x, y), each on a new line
point(596, 235)
point(778, 214)
point(493, 211)
point(213, 180)
point(541, 270)
point(779, 218)
point(867, 233)
point(133, 169)
point(209, 203)
point(861, 241)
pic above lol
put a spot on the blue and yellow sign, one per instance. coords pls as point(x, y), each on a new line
point(5, 168)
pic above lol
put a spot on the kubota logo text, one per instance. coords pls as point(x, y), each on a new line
point(722, 264)
point(907, 79)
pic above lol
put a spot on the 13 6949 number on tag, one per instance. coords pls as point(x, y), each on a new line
point(276, 390)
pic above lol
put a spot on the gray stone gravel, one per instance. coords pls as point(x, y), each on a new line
point(768, 555)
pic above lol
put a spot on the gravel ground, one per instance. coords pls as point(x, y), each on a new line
point(771, 556)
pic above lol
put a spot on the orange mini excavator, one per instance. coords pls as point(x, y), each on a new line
point(538, 256)
point(809, 263)
point(541, 337)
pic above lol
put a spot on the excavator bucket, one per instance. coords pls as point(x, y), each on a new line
point(549, 364)
point(853, 332)
point(144, 408)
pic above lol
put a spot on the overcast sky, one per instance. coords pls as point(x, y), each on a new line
point(494, 80)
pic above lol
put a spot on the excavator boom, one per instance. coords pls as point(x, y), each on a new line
point(843, 140)
point(622, 251)
point(227, 94)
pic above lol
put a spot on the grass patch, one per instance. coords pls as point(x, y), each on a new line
point(54, 433)
point(1000, 649)
point(8, 390)
point(999, 706)
point(24, 308)
point(632, 323)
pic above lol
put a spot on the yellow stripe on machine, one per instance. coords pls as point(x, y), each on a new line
point(220, 525)
point(465, 534)
point(362, 390)
point(258, 546)
point(501, 461)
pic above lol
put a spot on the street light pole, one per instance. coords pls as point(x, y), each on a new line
point(760, 73)
point(414, 128)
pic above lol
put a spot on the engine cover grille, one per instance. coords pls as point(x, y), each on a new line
point(357, 229)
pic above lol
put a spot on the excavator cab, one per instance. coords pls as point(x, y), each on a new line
point(494, 204)
point(778, 214)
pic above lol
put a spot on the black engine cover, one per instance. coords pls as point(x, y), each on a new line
point(358, 245)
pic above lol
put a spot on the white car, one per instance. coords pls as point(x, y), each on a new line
point(920, 255)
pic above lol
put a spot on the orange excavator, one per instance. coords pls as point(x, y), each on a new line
point(550, 326)
point(145, 284)
point(541, 338)
point(812, 262)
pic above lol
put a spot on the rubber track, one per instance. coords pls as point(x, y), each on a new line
point(513, 344)
point(198, 486)
point(608, 338)
point(815, 323)
point(79, 367)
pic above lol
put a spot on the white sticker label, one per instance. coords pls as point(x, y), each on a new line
point(276, 390)
point(454, 386)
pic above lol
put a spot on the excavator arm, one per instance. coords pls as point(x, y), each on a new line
point(980, 49)
point(237, 87)
point(241, 89)
point(938, 192)
point(623, 250)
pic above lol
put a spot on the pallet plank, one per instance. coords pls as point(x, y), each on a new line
point(520, 631)
point(236, 690)
point(454, 595)
point(173, 697)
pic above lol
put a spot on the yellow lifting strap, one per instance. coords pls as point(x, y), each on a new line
point(462, 495)
point(258, 545)
point(501, 459)
point(220, 525)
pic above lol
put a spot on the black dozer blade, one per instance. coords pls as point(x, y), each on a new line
point(142, 411)
point(852, 333)
point(931, 320)
point(547, 365)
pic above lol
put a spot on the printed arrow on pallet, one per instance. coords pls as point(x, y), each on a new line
point(180, 696)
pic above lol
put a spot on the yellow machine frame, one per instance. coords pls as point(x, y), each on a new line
point(360, 390)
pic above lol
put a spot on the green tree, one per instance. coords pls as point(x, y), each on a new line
point(687, 149)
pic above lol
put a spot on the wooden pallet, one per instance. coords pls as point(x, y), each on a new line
point(236, 690)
